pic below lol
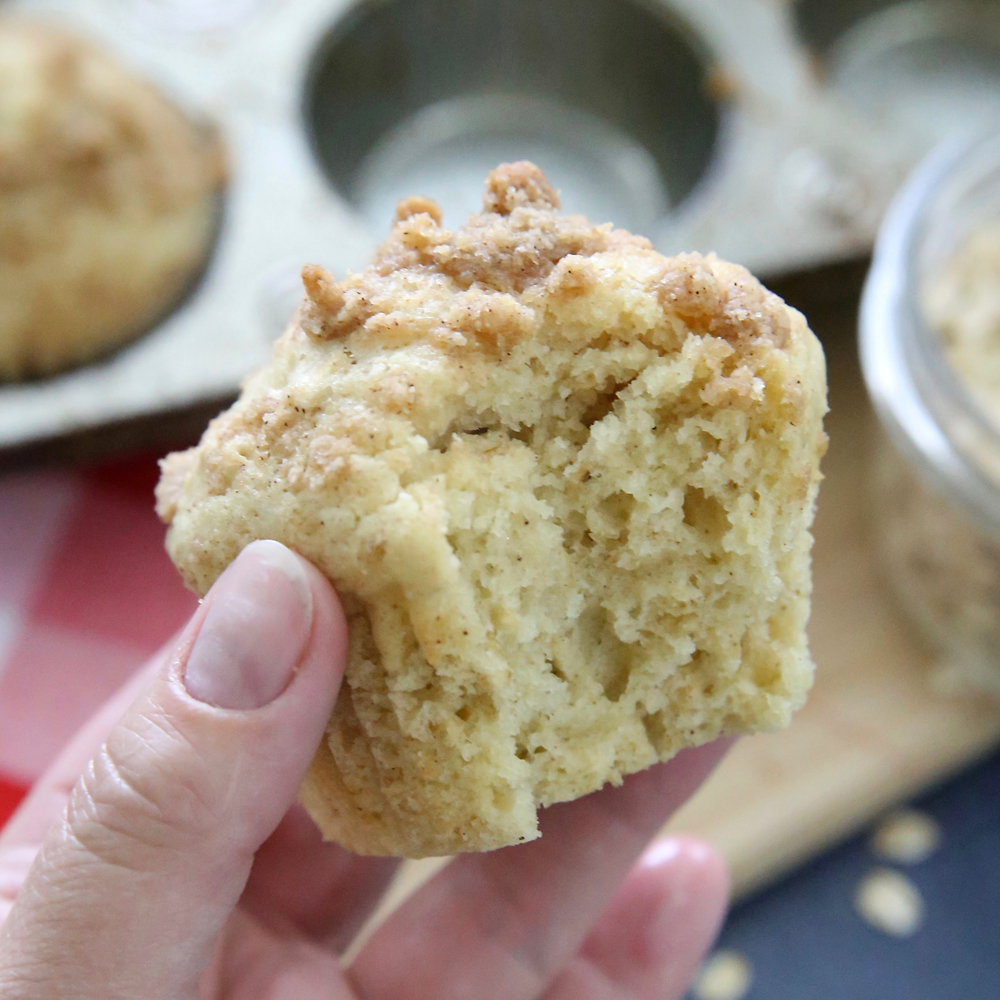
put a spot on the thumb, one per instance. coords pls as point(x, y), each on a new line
point(132, 886)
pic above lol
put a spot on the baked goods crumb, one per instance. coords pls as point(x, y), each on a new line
point(563, 485)
point(906, 837)
point(726, 975)
point(890, 902)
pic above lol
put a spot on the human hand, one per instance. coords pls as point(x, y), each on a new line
point(172, 862)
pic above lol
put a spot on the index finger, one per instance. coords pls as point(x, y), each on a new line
point(498, 926)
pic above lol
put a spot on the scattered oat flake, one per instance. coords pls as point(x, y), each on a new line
point(906, 837)
point(726, 975)
point(890, 902)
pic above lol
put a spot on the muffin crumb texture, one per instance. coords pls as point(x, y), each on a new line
point(563, 485)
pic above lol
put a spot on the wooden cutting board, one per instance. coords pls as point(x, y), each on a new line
point(874, 731)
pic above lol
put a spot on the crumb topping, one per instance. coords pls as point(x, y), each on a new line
point(518, 243)
point(516, 185)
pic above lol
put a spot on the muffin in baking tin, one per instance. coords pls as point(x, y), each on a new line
point(108, 200)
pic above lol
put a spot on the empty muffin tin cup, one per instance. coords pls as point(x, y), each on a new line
point(424, 97)
point(922, 66)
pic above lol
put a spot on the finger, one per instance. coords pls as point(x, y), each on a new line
point(253, 964)
point(131, 888)
point(46, 801)
point(302, 883)
point(649, 941)
point(298, 882)
point(500, 925)
point(22, 837)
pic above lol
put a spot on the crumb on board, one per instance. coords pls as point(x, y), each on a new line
point(890, 902)
point(726, 975)
point(906, 837)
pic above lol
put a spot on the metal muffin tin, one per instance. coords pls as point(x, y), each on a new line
point(771, 132)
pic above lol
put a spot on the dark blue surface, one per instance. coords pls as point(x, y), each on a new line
point(806, 942)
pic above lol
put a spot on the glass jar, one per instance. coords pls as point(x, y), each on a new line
point(936, 484)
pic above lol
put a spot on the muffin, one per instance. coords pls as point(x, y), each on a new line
point(563, 485)
point(108, 198)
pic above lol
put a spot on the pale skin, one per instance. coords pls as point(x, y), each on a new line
point(163, 855)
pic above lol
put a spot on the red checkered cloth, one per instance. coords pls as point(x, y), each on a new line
point(87, 593)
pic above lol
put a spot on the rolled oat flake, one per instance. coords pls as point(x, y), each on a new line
point(906, 837)
point(890, 902)
point(726, 975)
